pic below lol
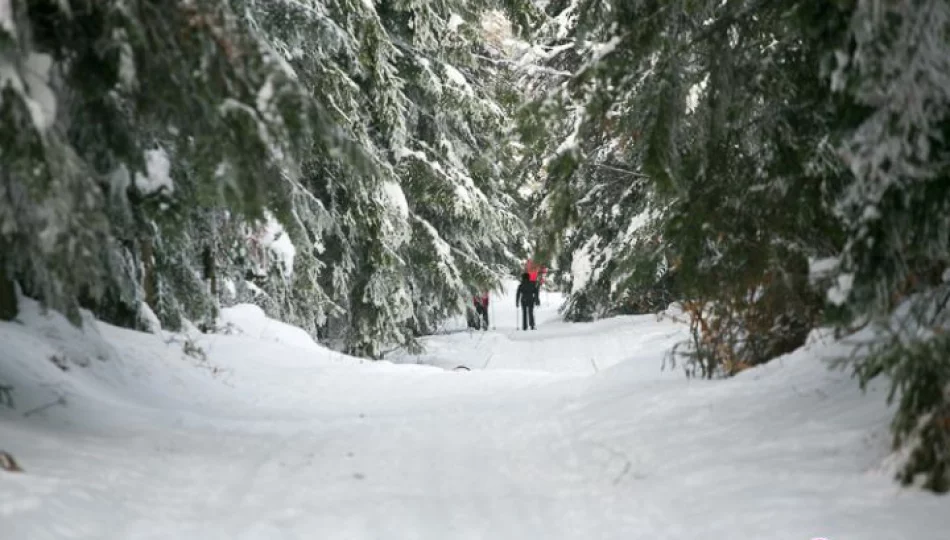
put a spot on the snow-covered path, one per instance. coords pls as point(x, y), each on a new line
point(572, 432)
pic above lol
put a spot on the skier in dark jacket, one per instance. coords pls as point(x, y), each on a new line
point(527, 297)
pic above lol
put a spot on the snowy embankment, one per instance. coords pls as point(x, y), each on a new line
point(572, 431)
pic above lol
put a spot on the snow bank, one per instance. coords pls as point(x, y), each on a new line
point(787, 435)
point(52, 365)
point(100, 376)
point(250, 320)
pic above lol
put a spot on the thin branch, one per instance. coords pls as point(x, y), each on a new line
point(724, 23)
point(533, 67)
point(617, 169)
point(61, 400)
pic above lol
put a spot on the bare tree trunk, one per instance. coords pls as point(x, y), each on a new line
point(210, 269)
point(8, 300)
point(149, 280)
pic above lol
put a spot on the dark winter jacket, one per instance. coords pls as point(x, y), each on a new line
point(527, 294)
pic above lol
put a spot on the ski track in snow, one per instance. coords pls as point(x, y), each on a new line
point(572, 431)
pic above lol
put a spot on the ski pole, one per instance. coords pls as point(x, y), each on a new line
point(493, 321)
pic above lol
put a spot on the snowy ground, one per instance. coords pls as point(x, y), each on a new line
point(572, 431)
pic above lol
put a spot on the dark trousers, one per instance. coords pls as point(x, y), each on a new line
point(527, 316)
point(483, 311)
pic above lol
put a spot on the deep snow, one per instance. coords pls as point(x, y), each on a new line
point(572, 431)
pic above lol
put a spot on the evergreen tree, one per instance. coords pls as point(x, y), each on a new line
point(891, 66)
point(431, 216)
point(676, 163)
point(97, 98)
point(768, 139)
point(341, 163)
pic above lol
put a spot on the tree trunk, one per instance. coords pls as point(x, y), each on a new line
point(8, 300)
point(210, 270)
point(149, 280)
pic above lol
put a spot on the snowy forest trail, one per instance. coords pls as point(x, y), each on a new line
point(292, 441)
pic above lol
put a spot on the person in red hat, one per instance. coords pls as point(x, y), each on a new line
point(532, 270)
point(535, 273)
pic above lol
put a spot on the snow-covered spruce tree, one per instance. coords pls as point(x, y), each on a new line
point(320, 44)
point(717, 107)
point(455, 163)
point(175, 126)
point(340, 52)
point(743, 139)
point(595, 211)
point(452, 164)
point(750, 210)
point(892, 69)
point(429, 218)
point(110, 108)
